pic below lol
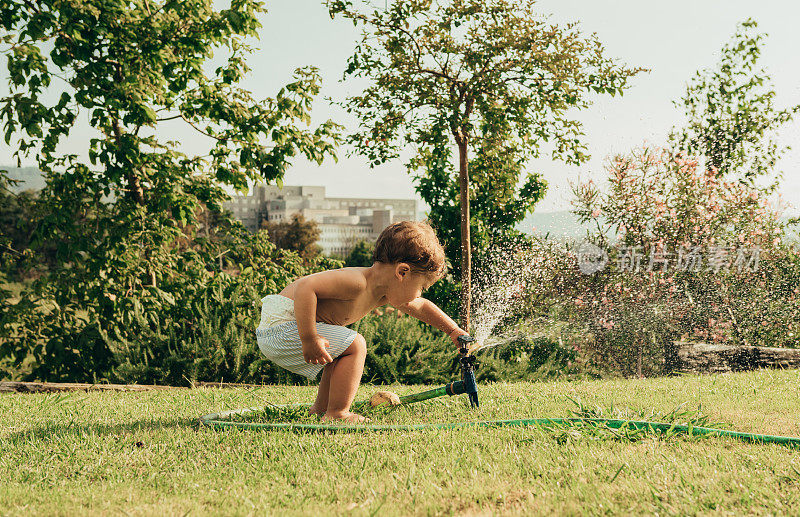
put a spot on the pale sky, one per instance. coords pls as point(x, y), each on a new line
point(674, 39)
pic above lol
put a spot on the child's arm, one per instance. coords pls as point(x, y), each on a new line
point(427, 311)
point(340, 284)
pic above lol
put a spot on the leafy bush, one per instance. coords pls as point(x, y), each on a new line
point(144, 310)
point(407, 351)
point(661, 206)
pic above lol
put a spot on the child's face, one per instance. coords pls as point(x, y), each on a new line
point(408, 285)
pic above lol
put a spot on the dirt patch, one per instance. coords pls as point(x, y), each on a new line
point(51, 387)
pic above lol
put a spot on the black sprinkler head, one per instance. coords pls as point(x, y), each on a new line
point(468, 365)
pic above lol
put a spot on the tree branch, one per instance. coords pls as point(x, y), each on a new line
point(418, 55)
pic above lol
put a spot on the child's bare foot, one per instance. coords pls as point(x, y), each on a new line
point(314, 411)
point(352, 418)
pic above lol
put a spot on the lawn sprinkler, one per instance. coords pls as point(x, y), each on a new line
point(466, 385)
point(468, 365)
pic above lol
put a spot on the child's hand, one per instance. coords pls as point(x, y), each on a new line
point(454, 336)
point(314, 351)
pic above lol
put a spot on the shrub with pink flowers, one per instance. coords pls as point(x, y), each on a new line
point(691, 255)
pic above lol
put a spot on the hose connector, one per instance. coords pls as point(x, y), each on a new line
point(468, 365)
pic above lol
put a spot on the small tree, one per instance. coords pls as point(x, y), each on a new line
point(731, 118)
point(360, 255)
point(495, 209)
point(489, 74)
point(298, 234)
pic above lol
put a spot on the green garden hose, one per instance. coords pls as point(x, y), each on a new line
point(455, 388)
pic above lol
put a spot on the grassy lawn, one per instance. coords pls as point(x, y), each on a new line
point(144, 454)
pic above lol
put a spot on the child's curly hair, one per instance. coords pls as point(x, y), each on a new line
point(412, 242)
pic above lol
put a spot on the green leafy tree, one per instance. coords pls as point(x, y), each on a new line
point(298, 234)
point(128, 67)
point(495, 209)
point(731, 118)
point(360, 255)
point(491, 75)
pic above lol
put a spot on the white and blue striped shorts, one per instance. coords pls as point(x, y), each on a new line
point(281, 344)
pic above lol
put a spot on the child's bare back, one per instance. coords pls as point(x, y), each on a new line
point(343, 295)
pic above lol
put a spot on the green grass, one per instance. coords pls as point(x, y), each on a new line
point(145, 454)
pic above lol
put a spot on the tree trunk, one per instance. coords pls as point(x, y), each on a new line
point(639, 362)
point(716, 358)
point(135, 190)
point(466, 252)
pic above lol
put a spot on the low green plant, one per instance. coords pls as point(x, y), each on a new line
point(408, 351)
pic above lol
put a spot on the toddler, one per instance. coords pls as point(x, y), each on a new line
point(303, 328)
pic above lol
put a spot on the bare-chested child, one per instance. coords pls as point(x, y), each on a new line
point(303, 328)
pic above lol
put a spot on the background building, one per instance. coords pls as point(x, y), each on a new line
point(342, 221)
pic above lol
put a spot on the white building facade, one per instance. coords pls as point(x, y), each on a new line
point(342, 221)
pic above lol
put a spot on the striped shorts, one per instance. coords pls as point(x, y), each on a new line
point(281, 344)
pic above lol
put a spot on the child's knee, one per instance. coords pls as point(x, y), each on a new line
point(357, 347)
